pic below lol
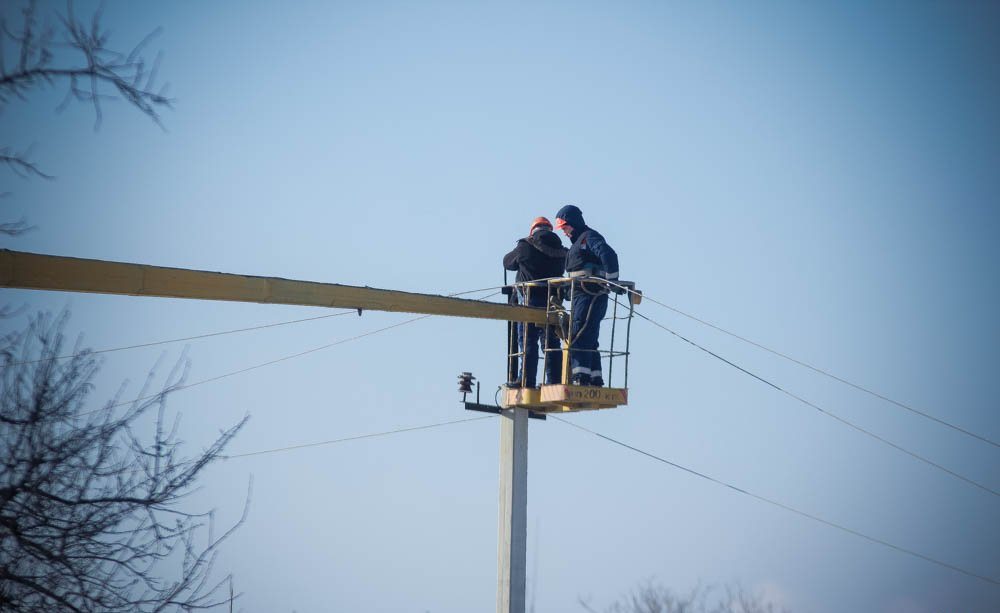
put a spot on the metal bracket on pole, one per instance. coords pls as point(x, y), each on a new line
point(491, 408)
point(465, 386)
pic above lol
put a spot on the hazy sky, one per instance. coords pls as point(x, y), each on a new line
point(818, 177)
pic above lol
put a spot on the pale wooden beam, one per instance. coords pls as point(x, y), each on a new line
point(23, 270)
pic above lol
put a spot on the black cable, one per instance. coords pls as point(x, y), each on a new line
point(815, 369)
point(211, 334)
point(281, 359)
point(782, 505)
point(262, 365)
point(176, 340)
point(354, 438)
point(823, 411)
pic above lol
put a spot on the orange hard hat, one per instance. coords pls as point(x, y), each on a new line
point(539, 221)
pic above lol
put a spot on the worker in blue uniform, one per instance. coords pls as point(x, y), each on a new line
point(589, 256)
point(540, 255)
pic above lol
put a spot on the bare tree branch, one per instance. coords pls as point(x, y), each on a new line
point(652, 597)
point(14, 228)
point(90, 518)
point(101, 74)
point(20, 164)
point(97, 74)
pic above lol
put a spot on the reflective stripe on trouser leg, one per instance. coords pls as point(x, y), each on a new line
point(595, 364)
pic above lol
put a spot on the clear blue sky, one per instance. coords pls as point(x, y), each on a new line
point(819, 177)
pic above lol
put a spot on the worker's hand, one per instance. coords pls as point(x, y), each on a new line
point(618, 289)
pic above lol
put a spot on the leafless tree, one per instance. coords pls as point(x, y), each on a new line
point(89, 506)
point(652, 597)
point(90, 518)
point(75, 54)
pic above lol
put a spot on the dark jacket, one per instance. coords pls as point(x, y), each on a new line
point(539, 256)
point(589, 252)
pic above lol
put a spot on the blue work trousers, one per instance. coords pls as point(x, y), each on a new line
point(588, 311)
point(535, 338)
point(532, 336)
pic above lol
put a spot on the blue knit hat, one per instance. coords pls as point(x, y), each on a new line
point(570, 215)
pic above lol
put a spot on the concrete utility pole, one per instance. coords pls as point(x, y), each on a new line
point(513, 533)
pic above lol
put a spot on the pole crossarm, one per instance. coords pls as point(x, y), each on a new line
point(24, 270)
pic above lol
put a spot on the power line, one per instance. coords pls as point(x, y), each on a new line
point(175, 340)
point(355, 438)
point(783, 506)
point(824, 411)
point(269, 363)
point(820, 371)
point(281, 359)
point(211, 334)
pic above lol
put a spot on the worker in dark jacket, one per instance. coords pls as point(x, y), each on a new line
point(588, 256)
point(540, 255)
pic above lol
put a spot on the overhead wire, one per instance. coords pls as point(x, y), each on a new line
point(813, 405)
point(645, 297)
point(597, 434)
point(212, 334)
point(818, 370)
point(275, 361)
point(691, 471)
point(186, 386)
point(354, 438)
point(341, 341)
point(176, 340)
point(784, 506)
point(582, 428)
